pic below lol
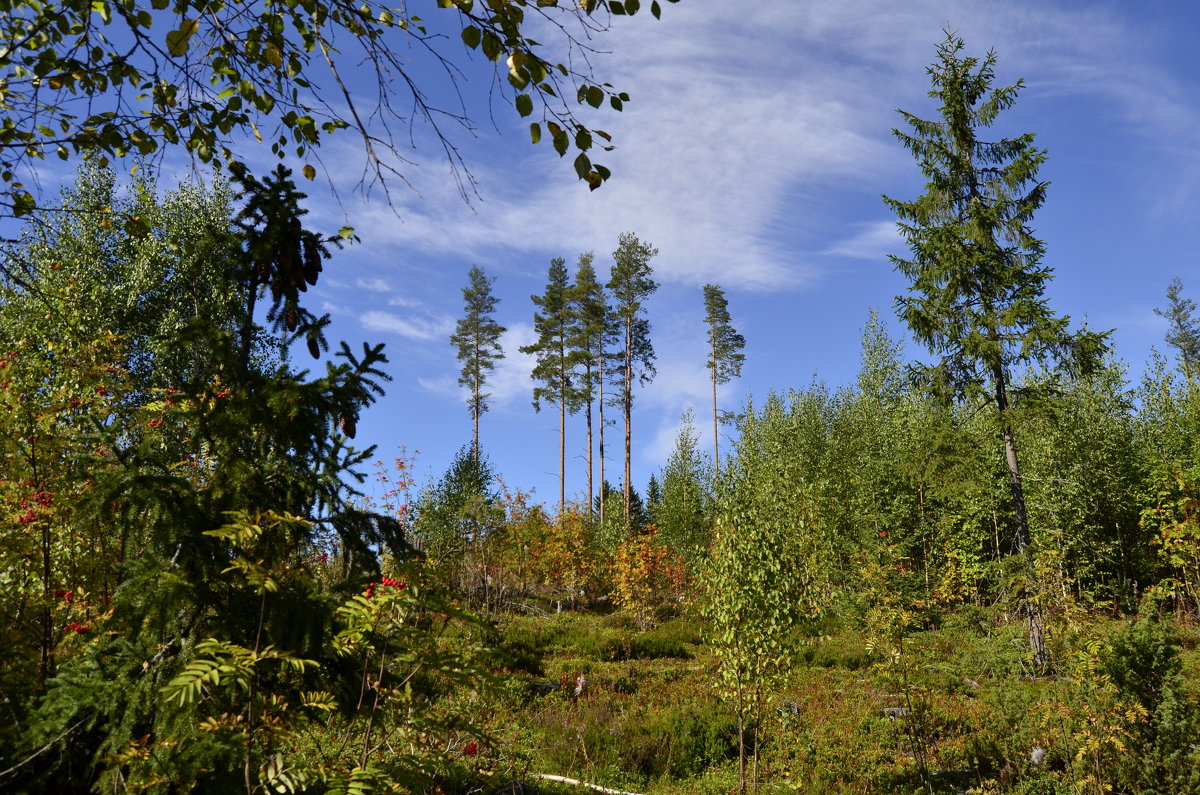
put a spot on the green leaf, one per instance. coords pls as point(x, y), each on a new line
point(583, 165)
point(177, 40)
point(632, 6)
point(23, 204)
point(595, 96)
point(346, 232)
point(310, 173)
point(524, 104)
point(471, 36)
point(656, 10)
point(560, 137)
point(492, 47)
point(535, 132)
point(617, 8)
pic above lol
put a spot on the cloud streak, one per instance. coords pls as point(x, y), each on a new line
point(414, 328)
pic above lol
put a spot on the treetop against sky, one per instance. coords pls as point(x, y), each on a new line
point(753, 151)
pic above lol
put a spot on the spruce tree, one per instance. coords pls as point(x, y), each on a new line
point(725, 346)
point(477, 338)
point(977, 295)
point(631, 284)
point(1183, 332)
point(554, 325)
point(976, 298)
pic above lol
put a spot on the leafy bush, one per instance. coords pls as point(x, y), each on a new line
point(1142, 659)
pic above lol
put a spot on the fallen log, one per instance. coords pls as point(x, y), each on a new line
point(578, 783)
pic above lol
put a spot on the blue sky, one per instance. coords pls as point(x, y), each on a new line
point(753, 154)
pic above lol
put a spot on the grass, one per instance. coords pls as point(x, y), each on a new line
point(956, 712)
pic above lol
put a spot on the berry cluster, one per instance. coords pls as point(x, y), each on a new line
point(385, 582)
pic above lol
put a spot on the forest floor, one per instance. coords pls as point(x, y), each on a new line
point(954, 709)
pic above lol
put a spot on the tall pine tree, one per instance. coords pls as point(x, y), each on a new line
point(631, 284)
point(725, 346)
point(591, 341)
point(555, 359)
point(477, 339)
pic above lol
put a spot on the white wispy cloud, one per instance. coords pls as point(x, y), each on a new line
point(508, 385)
point(373, 284)
point(443, 386)
point(873, 241)
point(727, 150)
point(413, 327)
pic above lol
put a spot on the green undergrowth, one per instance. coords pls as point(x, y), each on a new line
point(956, 710)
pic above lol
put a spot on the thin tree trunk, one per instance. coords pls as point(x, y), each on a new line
point(601, 406)
point(47, 617)
point(589, 443)
point(475, 409)
point(562, 456)
point(1033, 617)
point(741, 746)
point(628, 415)
point(716, 456)
point(754, 769)
point(1010, 459)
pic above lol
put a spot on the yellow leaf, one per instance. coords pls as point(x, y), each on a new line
point(177, 40)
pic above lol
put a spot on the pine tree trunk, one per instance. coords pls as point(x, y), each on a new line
point(601, 406)
point(628, 415)
point(589, 443)
point(562, 457)
point(475, 409)
point(716, 457)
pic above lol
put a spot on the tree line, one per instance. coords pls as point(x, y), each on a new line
point(589, 336)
